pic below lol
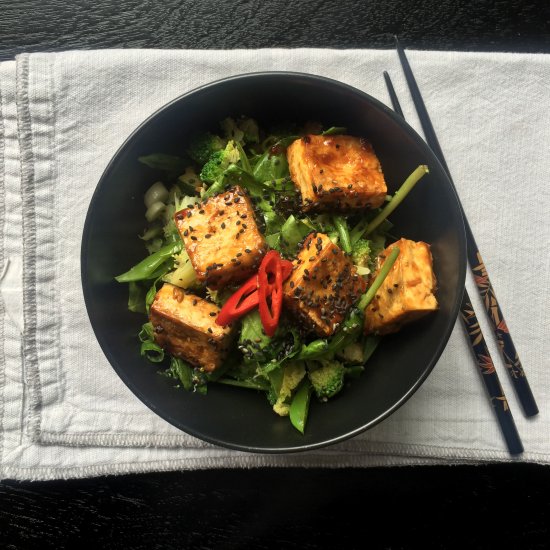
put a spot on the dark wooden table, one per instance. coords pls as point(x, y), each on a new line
point(505, 506)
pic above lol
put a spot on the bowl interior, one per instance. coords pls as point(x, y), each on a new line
point(239, 418)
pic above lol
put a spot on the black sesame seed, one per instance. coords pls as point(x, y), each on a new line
point(207, 236)
point(212, 314)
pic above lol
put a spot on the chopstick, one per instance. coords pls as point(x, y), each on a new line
point(479, 347)
point(481, 277)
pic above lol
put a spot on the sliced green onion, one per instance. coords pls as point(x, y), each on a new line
point(373, 289)
point(156, 193)
point(334, 130)
point(155, 211)
point(152, 351)
point(397, 199)
point(151, 233)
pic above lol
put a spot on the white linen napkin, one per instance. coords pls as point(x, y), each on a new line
point(63, 410)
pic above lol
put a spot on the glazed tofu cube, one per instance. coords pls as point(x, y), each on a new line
point(336, 172)
point(323, 285)
point(184, 325)
point(222, 239)
point(407, 293)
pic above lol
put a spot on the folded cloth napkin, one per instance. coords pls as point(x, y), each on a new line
point(63, 410)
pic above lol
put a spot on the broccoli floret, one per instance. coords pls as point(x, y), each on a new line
point(293, 374)
point(231, 130)
point(219, 162)
point(328, 379)
point(188, 181)
point(242, 130)
point(204, 146)
point(250, 130)
point(361, 256)
point(352, 353)
point(183, 275)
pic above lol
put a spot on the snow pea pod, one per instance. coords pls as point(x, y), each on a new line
point(343, 232)
point(299, 407)
point(147, 267)
point(313, 349)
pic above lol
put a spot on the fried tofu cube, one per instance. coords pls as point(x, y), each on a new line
point(407, 293)
point(336, 172)
point(184, 325)
point(323, 285)
point(222, 238)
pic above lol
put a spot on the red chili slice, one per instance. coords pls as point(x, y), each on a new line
point(248, 296)
point(241, 302)
point(270, 290)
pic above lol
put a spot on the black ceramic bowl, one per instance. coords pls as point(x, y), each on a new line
point(233, 417)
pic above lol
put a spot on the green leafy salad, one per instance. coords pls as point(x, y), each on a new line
point(267, 251)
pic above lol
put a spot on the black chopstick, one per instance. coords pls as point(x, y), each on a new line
point(393, 95)
point(481, 277)
point(479, 348)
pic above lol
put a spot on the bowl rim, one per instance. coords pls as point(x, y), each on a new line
point(127, 379)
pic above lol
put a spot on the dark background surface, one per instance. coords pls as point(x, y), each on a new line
point(505, 506)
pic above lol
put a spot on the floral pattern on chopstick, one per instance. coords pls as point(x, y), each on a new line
point(502, 400)
point(502, 333)
point(482, 356)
